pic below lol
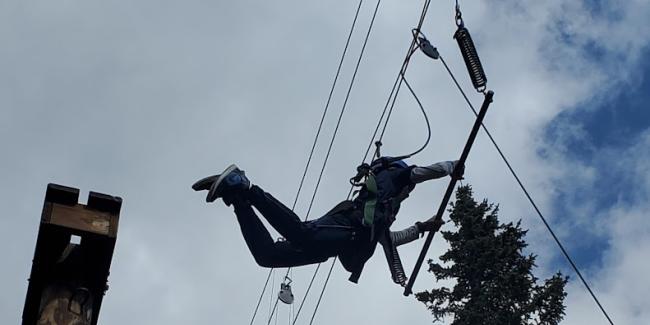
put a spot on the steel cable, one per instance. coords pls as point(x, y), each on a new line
point(530, 199)
point(320, 126)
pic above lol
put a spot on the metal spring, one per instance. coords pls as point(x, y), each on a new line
point(472, 61)
point(398, 269)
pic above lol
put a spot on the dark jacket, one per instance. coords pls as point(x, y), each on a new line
point(395, 185)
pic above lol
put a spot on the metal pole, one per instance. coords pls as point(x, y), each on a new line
point(450, 189)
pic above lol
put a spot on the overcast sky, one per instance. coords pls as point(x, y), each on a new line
point(141, 98)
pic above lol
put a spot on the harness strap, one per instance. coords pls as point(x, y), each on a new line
point(370, 204)
point(371, 201)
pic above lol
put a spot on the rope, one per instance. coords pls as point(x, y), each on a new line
point(305, 295)
point(347, 96)
point(530, 199)
point(338, 124)
point(392, 96)
point(426, 118)
point(320, 297)
point(275, 306)
point(394, 90)
point(320, 126)
point(412, 49)
point(272, 291)
point(261, 295)
point(329, 99)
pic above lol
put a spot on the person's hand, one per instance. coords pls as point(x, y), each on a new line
point(429, 225)
point(459, 170)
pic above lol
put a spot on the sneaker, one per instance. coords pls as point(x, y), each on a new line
point(231, 181)
point(205, 183)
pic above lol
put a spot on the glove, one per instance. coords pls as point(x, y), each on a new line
point(459, 170)
point(429, 225)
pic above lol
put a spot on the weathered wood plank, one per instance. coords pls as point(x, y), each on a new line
point(80, 218)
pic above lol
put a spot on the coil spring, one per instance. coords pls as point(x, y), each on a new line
point(472, 61)
point(398, 269)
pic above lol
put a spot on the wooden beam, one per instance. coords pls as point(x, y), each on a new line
point(68, 280)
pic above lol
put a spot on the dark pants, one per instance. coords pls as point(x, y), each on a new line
point(306, 242)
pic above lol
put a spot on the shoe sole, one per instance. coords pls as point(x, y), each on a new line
point(204, 183)
point(213, 195)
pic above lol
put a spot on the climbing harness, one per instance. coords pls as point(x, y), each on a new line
point(379, 196)
point(370, 203)
point(381, 201)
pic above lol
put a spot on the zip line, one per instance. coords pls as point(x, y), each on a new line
point(338, 124)
point(313, 147)
point(478, 78)
point(393, 94)
point(530, 199)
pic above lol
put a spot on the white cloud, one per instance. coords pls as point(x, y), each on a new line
point(621, 283)
point(140, 100)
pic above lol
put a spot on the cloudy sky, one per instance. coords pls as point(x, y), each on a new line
point(141, 98)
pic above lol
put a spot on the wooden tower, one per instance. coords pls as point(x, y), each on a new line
point(72, 258)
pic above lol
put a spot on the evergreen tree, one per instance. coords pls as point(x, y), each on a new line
point(494, 283)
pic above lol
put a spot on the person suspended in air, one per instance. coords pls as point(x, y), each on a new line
point(351, 230)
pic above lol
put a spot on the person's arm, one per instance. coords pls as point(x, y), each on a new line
point(437, 170)
point(412, 233)
point(404, 236)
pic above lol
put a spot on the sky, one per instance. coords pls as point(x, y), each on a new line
point(141, 99)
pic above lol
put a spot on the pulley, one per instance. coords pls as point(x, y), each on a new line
point(428, 49)
point(424, 44)
point(285, 295)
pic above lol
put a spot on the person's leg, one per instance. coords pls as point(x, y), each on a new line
point(284, 254)
point(266, 252)
point(285, 221)
point(334, 235)
point(328, 235)
point(233, 186)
